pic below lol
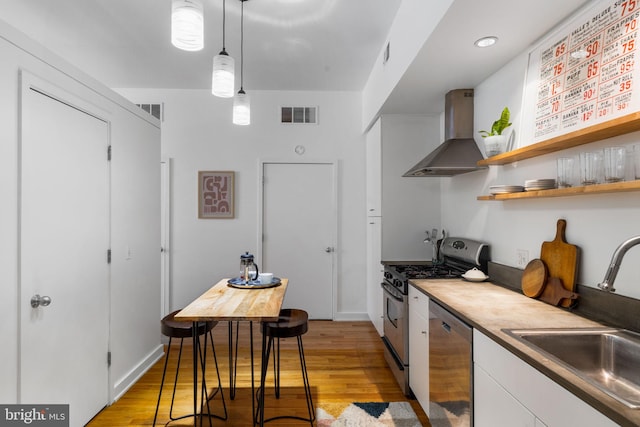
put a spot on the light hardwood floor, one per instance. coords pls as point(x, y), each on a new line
point(344, 359)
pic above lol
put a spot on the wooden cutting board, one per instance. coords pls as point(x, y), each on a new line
point(534, 278)
point(553, 292)
point(561, 259)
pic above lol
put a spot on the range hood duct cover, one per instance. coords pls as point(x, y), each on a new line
point(459, 153)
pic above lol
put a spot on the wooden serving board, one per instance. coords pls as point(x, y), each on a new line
point(561, 259)
point(554, 292)
point(534, 278)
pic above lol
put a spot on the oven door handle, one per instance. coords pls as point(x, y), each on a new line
point(392, 292)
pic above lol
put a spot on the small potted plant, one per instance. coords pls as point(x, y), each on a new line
point(494, 141)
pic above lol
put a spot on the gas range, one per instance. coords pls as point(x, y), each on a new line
point(458, 256)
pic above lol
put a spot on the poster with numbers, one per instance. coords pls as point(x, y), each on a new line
point(585, 73)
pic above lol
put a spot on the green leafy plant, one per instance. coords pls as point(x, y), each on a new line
point(499, 125)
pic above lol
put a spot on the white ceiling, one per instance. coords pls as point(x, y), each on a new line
point(289, 44)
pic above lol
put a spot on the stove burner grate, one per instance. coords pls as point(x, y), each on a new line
point(427, 272)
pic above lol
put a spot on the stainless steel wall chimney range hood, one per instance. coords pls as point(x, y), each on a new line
point(459, 153)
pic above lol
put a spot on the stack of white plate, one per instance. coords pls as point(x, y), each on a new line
point(505, 189)
point(539, 184)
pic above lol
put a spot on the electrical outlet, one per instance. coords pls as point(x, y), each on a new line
point(522, 258)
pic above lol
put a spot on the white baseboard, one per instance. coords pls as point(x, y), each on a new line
point(124, 384)
point(350, 316)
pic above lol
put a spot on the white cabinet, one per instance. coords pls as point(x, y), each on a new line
point(375, 269)
point(374, 272)
point(510, 392)
point(419, 346)
point(374, 170)
point(494, 406)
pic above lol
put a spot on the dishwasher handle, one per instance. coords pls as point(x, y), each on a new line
point(446, 327)
point(452, 322)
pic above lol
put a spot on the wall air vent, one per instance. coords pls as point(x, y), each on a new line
point(154, 109)
point(303, 115)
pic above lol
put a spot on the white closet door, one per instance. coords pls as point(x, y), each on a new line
point(64, 238)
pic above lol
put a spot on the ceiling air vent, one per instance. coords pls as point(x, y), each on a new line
point(304, 115)
point(154, 109)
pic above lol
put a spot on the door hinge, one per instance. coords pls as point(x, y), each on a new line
point(108, 256)
point(108, 358)
point(109, 153)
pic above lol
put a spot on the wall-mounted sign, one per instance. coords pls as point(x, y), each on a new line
point(585, 73)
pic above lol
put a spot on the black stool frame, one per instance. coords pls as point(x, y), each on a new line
point(267, 344)
point(209, 397)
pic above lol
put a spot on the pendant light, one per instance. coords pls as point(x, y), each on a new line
point(187, 24)
point(241, 103)
point(222, 79)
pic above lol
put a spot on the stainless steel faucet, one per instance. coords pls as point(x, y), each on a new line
point(616, 260)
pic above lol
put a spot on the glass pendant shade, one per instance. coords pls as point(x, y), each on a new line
point(187, 24)
point(223, 80)
point(241, 109)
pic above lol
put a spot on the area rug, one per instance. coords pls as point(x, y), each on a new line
point(367, 414)
point(449, 414)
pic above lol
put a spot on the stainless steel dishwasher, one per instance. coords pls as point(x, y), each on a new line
point(450, 369)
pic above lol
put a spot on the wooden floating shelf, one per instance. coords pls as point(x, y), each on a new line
point(616, 127)
point(615, 187)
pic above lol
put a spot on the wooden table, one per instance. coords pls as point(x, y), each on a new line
point(224, 303)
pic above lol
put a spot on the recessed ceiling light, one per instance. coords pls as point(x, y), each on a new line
point(486, 41)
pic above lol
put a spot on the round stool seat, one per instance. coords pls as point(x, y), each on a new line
point(291, 322)
point(175, 329)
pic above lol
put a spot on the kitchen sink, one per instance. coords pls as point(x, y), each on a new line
point(607, 358)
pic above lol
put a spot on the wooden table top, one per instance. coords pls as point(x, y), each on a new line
point(222, 302)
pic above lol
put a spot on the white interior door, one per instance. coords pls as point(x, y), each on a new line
point(64, 238)
point(299, 223)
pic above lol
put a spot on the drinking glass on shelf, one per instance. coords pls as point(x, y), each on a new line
point(591, 167)
point(565, 172)
point(615, 159)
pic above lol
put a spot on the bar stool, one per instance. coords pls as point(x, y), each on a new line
point(174, 329)
point(291, 323)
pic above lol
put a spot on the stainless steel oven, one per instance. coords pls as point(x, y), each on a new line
point(396, 334)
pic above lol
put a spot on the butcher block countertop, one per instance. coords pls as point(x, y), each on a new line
point(491, 308)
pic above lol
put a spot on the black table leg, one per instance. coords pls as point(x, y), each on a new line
point(232, 383)
point(264, 356)
point(253, 388)
point(195, 372)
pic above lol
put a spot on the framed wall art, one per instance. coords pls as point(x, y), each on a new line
point(215, 194)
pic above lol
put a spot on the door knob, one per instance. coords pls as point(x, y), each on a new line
point(37, 301)
point(329, 249)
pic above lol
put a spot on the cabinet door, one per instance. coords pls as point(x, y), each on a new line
point(374, 272)
point(374, 170)
point(532, 389)
point(494, 407)
point(419, 346)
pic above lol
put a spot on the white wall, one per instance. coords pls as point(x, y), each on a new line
point(595, 223)
point(134, 284)
point(414, 22)
point(410, 206)
point(197, 134)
